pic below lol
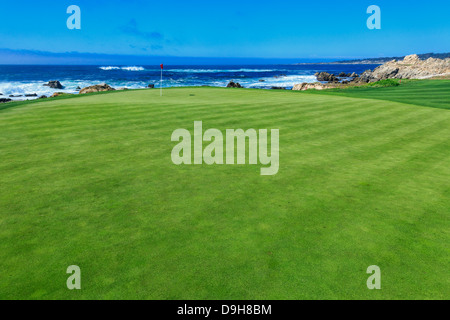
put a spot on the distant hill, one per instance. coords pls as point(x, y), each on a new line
point(423, 56)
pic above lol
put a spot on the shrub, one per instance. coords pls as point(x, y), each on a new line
point(385, 83)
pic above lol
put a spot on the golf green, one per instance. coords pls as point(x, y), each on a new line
point(363, 181)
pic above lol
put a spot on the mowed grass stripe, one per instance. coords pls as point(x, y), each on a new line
point(329, 141)
point(101, 119)
point(376, 137)
point(101, 113)
point(429, 93)
point(56, 134)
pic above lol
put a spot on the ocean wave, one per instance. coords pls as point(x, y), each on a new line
point(109, 68)
point(70, 86)
point(131, 68)
point(19, 88)
point(284, 82)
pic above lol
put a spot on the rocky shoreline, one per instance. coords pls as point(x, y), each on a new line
point(57, 85)
point(411, 67)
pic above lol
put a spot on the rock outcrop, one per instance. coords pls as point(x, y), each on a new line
point(325, 76)
point(97, 88)
point(54, 85)
point(58, 94)
point(320, 86)
point(411, 67)
point(234, 85)
point(307, 86)
point(332, 78)
point(364, 77)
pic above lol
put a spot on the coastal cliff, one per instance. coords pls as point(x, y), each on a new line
point(411, 67)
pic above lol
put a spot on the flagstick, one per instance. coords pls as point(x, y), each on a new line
point(161, 83)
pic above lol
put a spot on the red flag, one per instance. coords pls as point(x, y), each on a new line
point(162, 66)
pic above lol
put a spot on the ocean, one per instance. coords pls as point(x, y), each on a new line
point(20, 80)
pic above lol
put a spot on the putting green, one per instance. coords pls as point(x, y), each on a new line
point(89, 181)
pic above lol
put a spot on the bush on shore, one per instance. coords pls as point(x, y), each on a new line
point(385, 83)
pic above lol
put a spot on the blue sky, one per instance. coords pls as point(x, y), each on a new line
point(32, 31)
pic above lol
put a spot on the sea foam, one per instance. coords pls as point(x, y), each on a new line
point(130, 68)
point(283, 81)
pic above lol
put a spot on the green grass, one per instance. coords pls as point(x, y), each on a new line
point(89, 181)
point(429, 93)
point(385, 83)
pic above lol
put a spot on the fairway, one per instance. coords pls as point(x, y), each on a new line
point(430, 93)
point(363, 181)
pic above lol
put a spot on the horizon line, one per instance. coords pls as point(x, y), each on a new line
point(36, 57)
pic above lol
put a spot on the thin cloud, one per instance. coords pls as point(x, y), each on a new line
point(131, 28)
